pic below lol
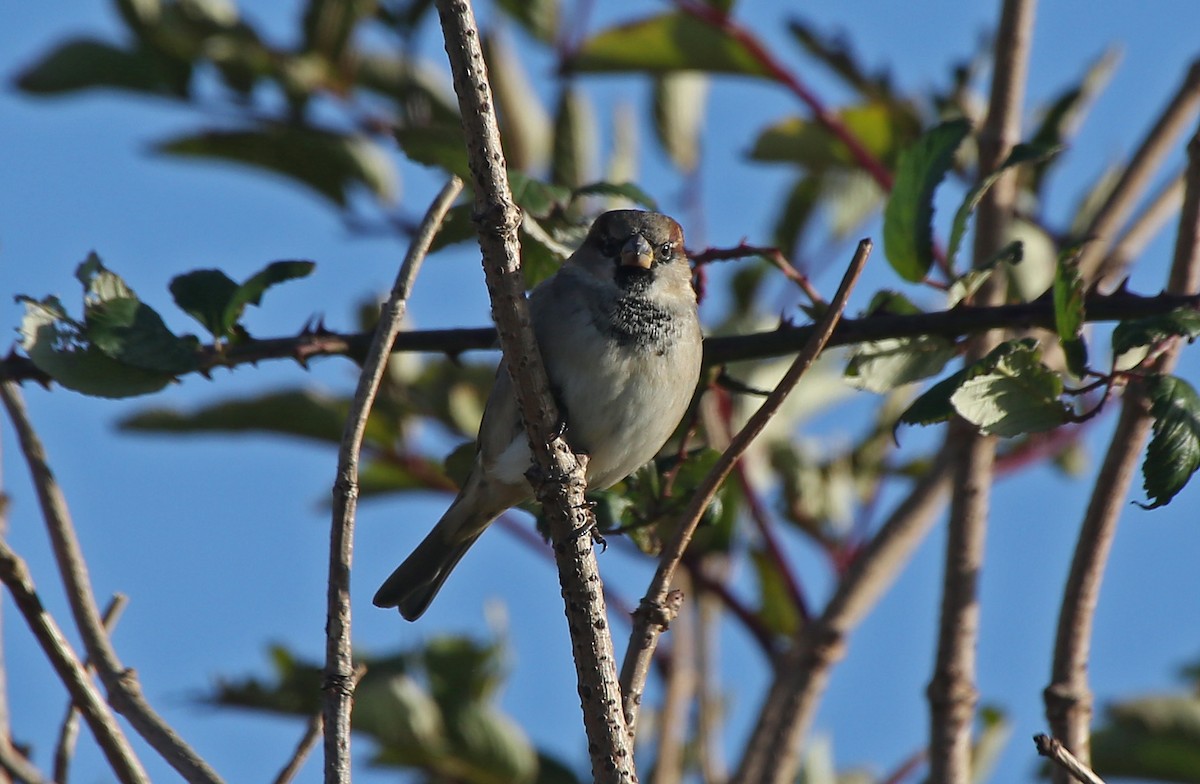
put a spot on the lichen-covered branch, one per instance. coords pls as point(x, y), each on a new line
point(561, 482)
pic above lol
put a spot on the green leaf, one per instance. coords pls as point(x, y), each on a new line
point(882, 365)
point(1021, 153)
point(622, 190)
point(810, 144)
point(300, 413)
point(573, 159)
point(537, 198)
point(251, 292)
point(776, 609)
point(216, 301)
point(934, 405)
point(1066, 111)
point(56, 346)
point(330, 164)
point(1017, 395)
point(441, 145)
point(907, 219)
point(1174, 451)
point(123, 328)
point(797, 211)
point(524, 122)
point(1152, 738)
point(205, 295)
point(679, 102)
point(834, 52)
point(673, 41)
point(1069, 316)
point(329, 25)
point(84, 64)
point(1148, 331)
point(538, 17)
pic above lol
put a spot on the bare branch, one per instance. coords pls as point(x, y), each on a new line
point(560, 482)
point(1159, 143)
point(951, 692)
point(338, 686)
point(68, 731)
point(310, 739)
point(15, 765)
point(652, 617)
point(1065, 760)
point(1068, 697)
point(121, 684)
point(109, 736)
point(800, 676)
point(1142, 229)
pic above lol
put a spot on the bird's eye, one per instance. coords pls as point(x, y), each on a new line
point(608, 246)
point(666, 249)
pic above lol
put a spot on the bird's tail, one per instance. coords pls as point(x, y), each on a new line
point(416, 581)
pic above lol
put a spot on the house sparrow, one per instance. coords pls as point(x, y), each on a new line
point(620, 339)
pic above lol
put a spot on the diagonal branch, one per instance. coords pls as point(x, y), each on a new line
point(772, 751)
point(560, 482)
point(1134, 180)
point(109, 736)
point(1068, 697)
point(121, 684)
point(339, 681)
point(653, 615)
point(68, 731)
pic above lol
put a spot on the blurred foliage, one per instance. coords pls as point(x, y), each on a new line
point(430, 709)
point(349, 104)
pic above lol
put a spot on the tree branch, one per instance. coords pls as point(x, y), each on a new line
point(124, 691)
point(951, 324)
point(338, 686)
point(109, 736)
point(68, 731)
point(560, 482)
point(1133, 182)
point(652, 616)
point(1068, 697)
point(952, 693)
point(772, 751)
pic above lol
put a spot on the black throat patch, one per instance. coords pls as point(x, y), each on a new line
point(637, 322)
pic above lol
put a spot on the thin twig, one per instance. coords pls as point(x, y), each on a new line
point(772, 752)
point(68, 731)
point(1065, 760)
point(651, 617)
point(771, 254)
point(109, 736)
point(338, 686)
point(1068, 697)
point(786, 340)
point(120, 683)
point(559, 473)
point(1134, 180)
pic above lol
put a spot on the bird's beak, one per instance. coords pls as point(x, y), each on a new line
point(637, 253)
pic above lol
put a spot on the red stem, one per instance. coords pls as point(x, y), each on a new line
point(827, 119)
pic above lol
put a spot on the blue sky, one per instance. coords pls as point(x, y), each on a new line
point(221, 542)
